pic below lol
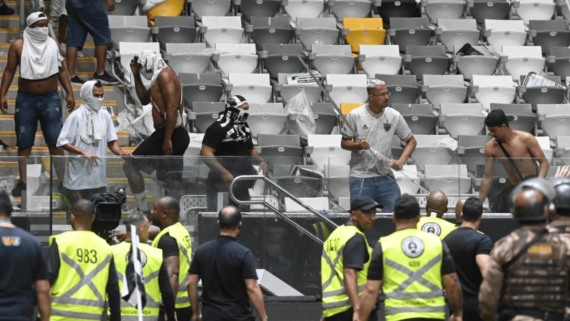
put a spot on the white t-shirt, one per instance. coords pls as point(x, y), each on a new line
point(79, 172)
point(378, 130)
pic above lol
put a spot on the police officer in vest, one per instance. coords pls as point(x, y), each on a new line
point(527, 278)
point(82, 271)
point(345, 259)
point(155, 275)
point(436, 202)
point(413, 267)
point(176, 245)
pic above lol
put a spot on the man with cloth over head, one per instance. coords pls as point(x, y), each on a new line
point(345, 261)
point(41, 66)
point(436, 202)
point(412, 267)
point(170, 137)
point(528, 277)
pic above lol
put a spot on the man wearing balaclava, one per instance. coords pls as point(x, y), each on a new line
point(87, 132)
point(230, 136)
point(170, 137)
point(41, 66)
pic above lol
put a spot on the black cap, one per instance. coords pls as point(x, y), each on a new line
point(407, 207)
point(497, 118)
point(364, 203)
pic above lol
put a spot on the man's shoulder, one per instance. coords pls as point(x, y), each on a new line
point(165, 76)
point(19, 235)
point(391, 112)
point(524, 136)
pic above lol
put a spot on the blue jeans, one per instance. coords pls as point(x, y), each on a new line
point(31, 108)
point(382, 189)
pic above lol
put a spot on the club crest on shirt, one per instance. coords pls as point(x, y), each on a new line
point(413, 246)
point(387, 126)
point(432, 228)
point(365, 127)
point(11, 241)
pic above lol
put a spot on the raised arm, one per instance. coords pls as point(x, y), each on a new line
point(537, 153)
point(488, 176)
point(9, 73)
point(142, 93)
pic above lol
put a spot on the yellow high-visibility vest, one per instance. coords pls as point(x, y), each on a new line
point(335, 298)
point(151, 260)
point(412, 280)
point(80, 289)
point(436, 226)
point(321, 230)
point(182, 237)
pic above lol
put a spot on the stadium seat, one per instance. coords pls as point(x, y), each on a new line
point(457, 32)
point(524, 119)
point(316, 31)
point(333, 59)
point(410, 32)
point(337, 178)
point(280, 149)
point(256, 88)
point(419, 117)
point(187, 57)
point(554, 119)
point(222, 30)
point(271, 31)
point(408, 179)
point(201, 88)
point(325, 150)
point(542, 94)
point(259, 8)
point(205, 113)
point(304, 8)
point(268, 118)
point(346, 108)
point(493, 89)
point(129, 29)
point(364, 31)
point(426, 60)
point(430, 152)
point(398, 9)
point(559, 61)
point(465, 119)
point(549, 33)
point(450, 179)
point(471, 149)
point(350, 8)
point(444, 9)
point(522, 60)
point(489, 9)
point(347, 88)
point(299, 186)
point(404, 89)
point(128, 50)
point(325, 117)
point(475, 64)
point(288, 91)
point(444, 89)
point(396, 147)
point(535, 9)
point(237, 58)
point(211, 7)
point(282, 58)
point(544, 143)
point(122, 8)
point(174, 30)
point(562, 151)
point(380, 59)
point(501, 33)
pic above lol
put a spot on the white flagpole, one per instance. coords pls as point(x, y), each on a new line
point(137, 266)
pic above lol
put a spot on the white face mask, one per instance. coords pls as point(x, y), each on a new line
point(94, 103)
point(38, 34)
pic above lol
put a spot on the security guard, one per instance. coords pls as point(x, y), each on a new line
point(82, 271)
point(345, 260)
point(436, 202)
point(176, 245)
point(529, 254)
point(412, 267)
point(155, 275)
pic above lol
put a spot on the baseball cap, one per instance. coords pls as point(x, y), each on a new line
point(35, 17)
point(407, 207)
point(364, 203)
point(236, 101)
point(497, 118)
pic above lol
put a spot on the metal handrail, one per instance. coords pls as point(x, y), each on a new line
point(23, 14)
point(276, 210)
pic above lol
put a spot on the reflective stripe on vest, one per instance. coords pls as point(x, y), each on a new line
point(417, 276)
point(75, 315)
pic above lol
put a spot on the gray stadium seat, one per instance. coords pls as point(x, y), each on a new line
point(325, 117)
point(535, 9)
point(222, 30)
point(129, 29)
point(175, 30)
point(304, 8)
point(444, 9)
point(280, 149)
point(211, 7)
point(541, 94)
point(489, 9)
point(325, 150)
point(299, 186)
point(281, 58)
point(271, 31)
point(563, 149)
point(404, 89)
point(348, 88)
point(337, 180)
point(267, 118)
point(333, 59)
point(426, 60)
point(450, 179)
point(317, 31)
point(256, 88)
point(206, 113)
point(524, 118)
point(464, 119)
point(428, 152)
point(187, 58)
point(288, 91)
point(410, 32)
point(419, 117)
point(554, 119)
point(444, 89)
point(504, 32)
point(350, 8)
point(522, 60)
point(475, 64)
point(471, 149)
point(493, 89)
point(257, 8)
point(549, 33)
point(237, 58)
point(457, 32)
point(201, 88)
point(559, 61)
point(383, 59)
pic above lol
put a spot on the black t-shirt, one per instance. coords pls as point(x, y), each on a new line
point(223, 265)
point(464, 245)
point(22, 263)
point(355, 253)
point(169, 246)
point(376, 270)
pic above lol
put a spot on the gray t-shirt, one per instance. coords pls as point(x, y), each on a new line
point(378, 130)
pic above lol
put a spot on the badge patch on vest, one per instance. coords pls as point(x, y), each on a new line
point(432, 228)
point(387, 126)
point(11, 241)
point(540, 249)
point(142, 257)
point(413, 246)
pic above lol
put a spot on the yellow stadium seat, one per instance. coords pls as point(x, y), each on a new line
point(364, 31)
point(171, 8)
point(346, 108)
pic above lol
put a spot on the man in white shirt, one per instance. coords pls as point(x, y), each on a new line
point(88, 132)
point(376, 124)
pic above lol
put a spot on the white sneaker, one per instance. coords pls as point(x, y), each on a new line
point(80, 54)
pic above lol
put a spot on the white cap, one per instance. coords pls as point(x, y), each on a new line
point(35, 17)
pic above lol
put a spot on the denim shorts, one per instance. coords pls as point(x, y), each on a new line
point(87, 16)
point(31, 108)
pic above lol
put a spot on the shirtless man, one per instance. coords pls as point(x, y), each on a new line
point(524, 150)
point(170, 137)
point(41, 66)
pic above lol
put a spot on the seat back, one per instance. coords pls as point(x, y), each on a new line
point(278, 140)
point(247, 48)
point(409, 23)
point(426, 51)
point(283, 49)
point(563, 142)
point(514, 109)
point(161, 21)
point(461, 109)
point(414, 109)
point(323, 140)
point(339, 50)
point(346, 108)
point(447, 80)
point(249, 79)
point(553, 109)
point(311, 23)
point(486, 50)
point(266, 108)
point(175, 48)
point(473, 141)
point(380, 51)
point(188, 79)
point(457, 24)
point(549, 25)
point(337, 171)
point(504, 25)
point(492, 81)
point(208, 107)
point(346, 80)
point(362, 23)
point(522, 51)
point(429, 140)
point(398, 80)
point(560, 52)
point(323, 108)
point(127, 21)
point(446, 170)
point(221, 22)
point(273, 22)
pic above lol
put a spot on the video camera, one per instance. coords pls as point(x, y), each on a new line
point(108, 212)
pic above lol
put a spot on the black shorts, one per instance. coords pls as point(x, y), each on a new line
point(166, 167)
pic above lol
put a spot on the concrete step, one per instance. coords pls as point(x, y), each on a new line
point(86, 64)
point(10, 22)
point(28, 6)
point(110, 92)
point(88, 50)
point(9, 138)
point(10, 152)
point(7, 123)
point(9, 35)
point(111, 103)
point(82, 75)
point(8, 168)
